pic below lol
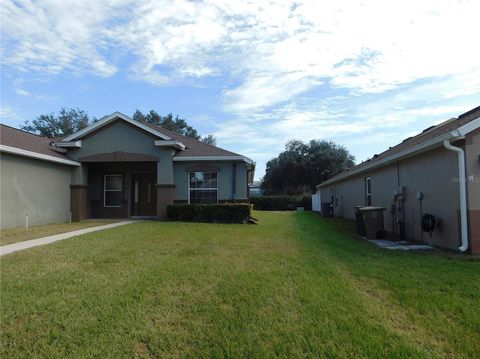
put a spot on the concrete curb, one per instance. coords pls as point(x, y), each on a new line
point(15, 247)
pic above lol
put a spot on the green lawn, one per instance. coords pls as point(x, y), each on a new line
point(295, 285)
point(20, 234)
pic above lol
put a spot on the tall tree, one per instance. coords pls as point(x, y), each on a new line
point(302, 166)
point(67, 121)
point(209, 140)
point(178, 125)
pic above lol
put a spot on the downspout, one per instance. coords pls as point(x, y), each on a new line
point(463, 192)
point(234, 182)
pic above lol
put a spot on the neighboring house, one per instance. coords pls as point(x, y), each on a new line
point(256, 188)
point(436, 172)
point(115, 168)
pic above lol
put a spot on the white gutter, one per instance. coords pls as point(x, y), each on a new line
point(36, 155)
point(462, 182)
point(213, 158)
point(170, 143)
point(469, 127)
point(69, 144)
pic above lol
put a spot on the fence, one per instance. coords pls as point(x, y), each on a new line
point(316, 203)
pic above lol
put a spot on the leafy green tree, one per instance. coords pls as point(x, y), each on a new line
point(209, 140)
point(178, 125)
point(302, 166)
point(67, 121)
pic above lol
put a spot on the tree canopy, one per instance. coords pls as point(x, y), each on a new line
point(302, 166)
point(175, 124)
point(209, 140)
point(69, 121)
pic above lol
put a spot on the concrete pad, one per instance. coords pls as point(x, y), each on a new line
point(403, 246)
point(15, 247)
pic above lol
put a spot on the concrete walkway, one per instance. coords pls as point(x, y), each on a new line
point(15, 247)
point(402, 245)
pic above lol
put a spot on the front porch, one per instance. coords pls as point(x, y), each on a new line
point(120, 190)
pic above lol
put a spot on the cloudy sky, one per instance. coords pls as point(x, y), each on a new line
point(365, 74)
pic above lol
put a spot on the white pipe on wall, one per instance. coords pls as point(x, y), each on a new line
point(462, 181)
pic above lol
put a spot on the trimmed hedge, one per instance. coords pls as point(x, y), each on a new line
point(222, 213)
point(281, 203)
point(274, 203)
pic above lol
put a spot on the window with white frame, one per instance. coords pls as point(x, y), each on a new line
point(112, 190)
point(203, 187)
point(368, 191)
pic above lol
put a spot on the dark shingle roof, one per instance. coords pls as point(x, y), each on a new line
point(13, 137)
point(428, 134)
point(193, 147)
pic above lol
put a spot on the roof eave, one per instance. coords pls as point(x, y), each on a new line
point(175, 144)
point(69, 144)
point(426, 146)
point(469, 127)
point(38, 156)
point(213, 158)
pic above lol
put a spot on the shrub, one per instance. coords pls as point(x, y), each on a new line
point(222, 213)
point(281, 203)
point(275, 203)
point(306, 202)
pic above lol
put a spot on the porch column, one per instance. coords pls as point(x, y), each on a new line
point(78, 193)
point(165, 183)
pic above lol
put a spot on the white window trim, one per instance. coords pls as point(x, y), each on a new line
point(368, 193)
point(200, 189)
point(110, 190)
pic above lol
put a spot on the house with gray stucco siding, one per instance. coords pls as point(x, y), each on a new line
point(115, 168)
point(436, 172)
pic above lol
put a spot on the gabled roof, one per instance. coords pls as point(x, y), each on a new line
point(110, 118)
point(454, 128)
point(189, 148)
point(26, 144)
point(193, 147)
point(256, 184)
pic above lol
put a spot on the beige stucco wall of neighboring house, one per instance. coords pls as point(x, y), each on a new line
point(472, 159)
point(38, 188)
point(433, 173)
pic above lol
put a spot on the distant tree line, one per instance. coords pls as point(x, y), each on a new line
point(69, 121)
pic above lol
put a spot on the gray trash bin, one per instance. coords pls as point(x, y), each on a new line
point(373, 220)
point(359, 221)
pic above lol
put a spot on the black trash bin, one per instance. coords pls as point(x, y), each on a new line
point(373, 220)
point(359, 221)
point(327, 209)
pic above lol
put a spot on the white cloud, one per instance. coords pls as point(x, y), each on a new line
point(21, 92)
point(282, 64)
point(7, 113)
point(53, 36)
point(273, 50)
point(365, 126)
